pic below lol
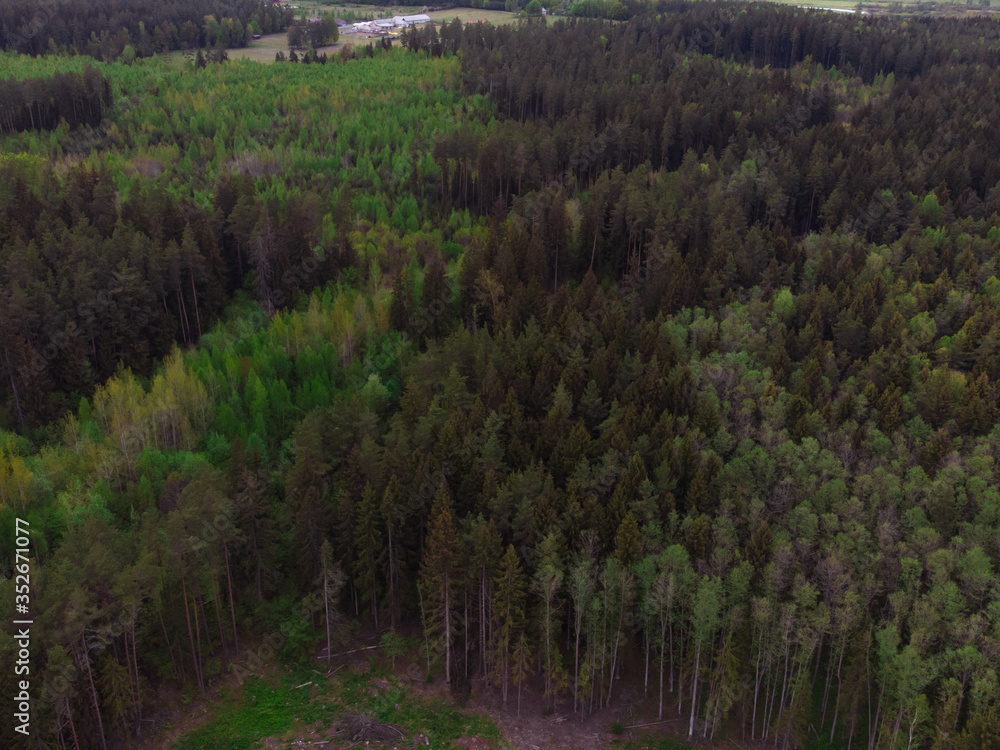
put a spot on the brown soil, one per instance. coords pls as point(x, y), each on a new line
point(534, 729)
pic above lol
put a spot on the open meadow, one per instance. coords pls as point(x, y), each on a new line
point(266, 48)
point(940, 8)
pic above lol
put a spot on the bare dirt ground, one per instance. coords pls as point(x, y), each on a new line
point(530, 729)
point(534, 729)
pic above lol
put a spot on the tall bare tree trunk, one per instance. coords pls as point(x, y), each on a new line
point(326, 606)
point(93, 690)
point(836, 705)
point(576, 660)
point(194, 651)
point(447, 629)
point(194, 291)
point(138, 686)
point(232, 606)
point(663, 642)
point(218, 614)
point(694, 689)
point(178, 668)
point(72, 727)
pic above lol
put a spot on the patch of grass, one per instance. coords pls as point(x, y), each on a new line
point(264, 710)
point(261, 711)
point(472, 15)
point(436, 719)
point(650, 742)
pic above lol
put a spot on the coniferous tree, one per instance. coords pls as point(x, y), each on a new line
point(441, 576)
point(508, 609)
point(547, 585)
point(368, 549)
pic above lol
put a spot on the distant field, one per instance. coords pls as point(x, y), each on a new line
point(840, 4)
point(265, 48)
point(473, 15)
point(466, 15)
point(342, 10)
point(940, 7)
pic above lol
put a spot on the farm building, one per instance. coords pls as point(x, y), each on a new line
point(404, 21)
point(340, 22)
point(388, 24)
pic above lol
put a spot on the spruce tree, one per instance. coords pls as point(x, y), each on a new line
point(368, 549)
point(508, 608)
point(547, 584)
point(440, 575)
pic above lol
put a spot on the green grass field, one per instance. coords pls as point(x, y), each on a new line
point(467, 15)
point(265, 48)
point(305, 707)
point(949, 7)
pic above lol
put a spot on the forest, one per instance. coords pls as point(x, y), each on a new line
point(108, 29)
point(650, 358)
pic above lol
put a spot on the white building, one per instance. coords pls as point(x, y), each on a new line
point(404, 21)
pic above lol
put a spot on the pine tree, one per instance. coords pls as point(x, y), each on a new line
point(547, 584)
point(522, 664)
point(508, 608)
point(441, 575)
point(392, 514)
point(619, 593)
point(704, 621)
point(627, 490)
point(331, 581)
point(401, 307)
point(628, 545)
point(368, 549)
point(581, 590)
point(484, 555)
